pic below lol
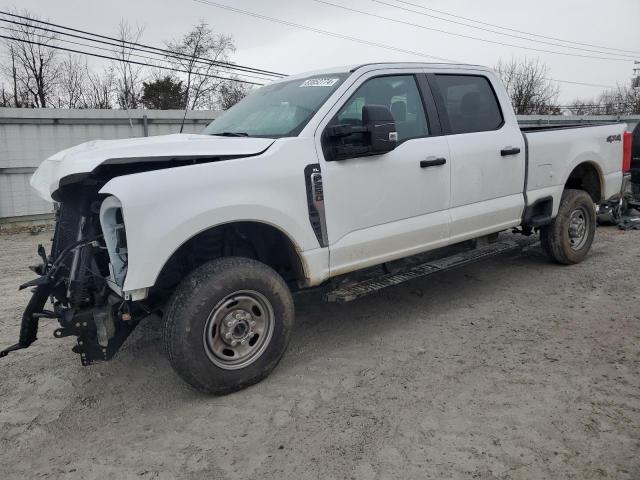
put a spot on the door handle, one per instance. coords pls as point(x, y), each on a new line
point(509, 151)
point(432, 163)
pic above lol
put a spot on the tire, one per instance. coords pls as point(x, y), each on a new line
point(205, 316)
point(567, 240)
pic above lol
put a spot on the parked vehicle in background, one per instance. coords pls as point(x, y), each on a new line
point(617, 209)
point(309, 179)
point(635, 161)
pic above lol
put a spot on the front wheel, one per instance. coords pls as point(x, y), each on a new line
point(228, 324)
point(568, 238)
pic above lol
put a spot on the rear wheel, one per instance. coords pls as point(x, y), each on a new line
point(568, 238)
point(228, 324)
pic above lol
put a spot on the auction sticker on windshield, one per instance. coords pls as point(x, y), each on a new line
point(320, 82)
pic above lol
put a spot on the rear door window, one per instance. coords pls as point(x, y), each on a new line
point(470, 102)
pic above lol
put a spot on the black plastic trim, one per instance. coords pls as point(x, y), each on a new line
point(526, 168)
point(432, 163)
point(315, 202)
point(539, 213)
point(429, 104)
point(441, 108)
point(505, 152)
point(568, 126)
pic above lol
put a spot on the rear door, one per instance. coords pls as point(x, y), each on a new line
point(487, 153)
point(383, 207)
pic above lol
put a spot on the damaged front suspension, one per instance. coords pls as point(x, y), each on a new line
point(100, 331)
point(101, 326)
point(30, 317)
point(43, 287)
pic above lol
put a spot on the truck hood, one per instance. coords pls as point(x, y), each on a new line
point(84, 158)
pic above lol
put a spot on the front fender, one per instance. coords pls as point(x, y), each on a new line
point(165, 208)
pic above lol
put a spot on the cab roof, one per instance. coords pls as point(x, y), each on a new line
point(380, 66)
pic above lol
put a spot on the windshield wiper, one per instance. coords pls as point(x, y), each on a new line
point(231, 134)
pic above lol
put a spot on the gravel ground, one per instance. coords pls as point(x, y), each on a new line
point(512, 368)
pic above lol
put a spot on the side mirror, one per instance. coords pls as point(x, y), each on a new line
point(381, 127)
point(377, 135)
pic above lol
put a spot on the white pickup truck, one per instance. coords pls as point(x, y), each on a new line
point(306, 180)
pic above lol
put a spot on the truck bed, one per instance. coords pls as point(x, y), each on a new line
point(553, 151)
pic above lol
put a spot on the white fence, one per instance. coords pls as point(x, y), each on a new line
point(27, 136)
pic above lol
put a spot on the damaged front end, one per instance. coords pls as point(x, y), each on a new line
point(82, 278)
point(84, 275)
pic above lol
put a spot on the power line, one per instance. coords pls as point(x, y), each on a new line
point(513, 29)
point(360, 40)
point(111, 50)
point(320, 31)
point(631, 57)
point(579, 83)
point(56, 47)
point(161, 50)
point(136, 45)
point(101, 42)
point(243, 74)
point(461, 35)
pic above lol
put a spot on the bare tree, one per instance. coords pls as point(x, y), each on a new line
point(230, 93)
point(619, 101)
point(16, 93)
point(631, 97)
point(101, 89)
point(128, 75)
point(5, 98)
point(622, 100)
point(34, 66)
point(584, 107)
point(72, 82)
point(197, 54)
point(526, 83)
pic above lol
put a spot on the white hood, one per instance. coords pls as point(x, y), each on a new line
point(86, 157)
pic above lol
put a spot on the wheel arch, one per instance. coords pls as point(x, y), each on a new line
point(587, 176)
point(255, 239)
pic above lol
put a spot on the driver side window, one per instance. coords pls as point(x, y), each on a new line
point(398, 93)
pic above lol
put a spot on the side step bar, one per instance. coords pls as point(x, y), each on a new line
point(352, 291)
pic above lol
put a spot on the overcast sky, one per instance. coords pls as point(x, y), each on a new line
point(272, 46)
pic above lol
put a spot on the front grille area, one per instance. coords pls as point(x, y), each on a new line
point(82, 269)
point(66, 229)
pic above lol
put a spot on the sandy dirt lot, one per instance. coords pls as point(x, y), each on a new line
point(512, 368)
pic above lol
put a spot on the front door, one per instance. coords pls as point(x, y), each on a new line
point(383, 207)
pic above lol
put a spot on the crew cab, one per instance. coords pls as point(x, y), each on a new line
point(305, 181)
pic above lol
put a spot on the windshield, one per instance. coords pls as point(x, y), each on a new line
point(279, 110)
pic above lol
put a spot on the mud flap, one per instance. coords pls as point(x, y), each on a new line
point(32, 313)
